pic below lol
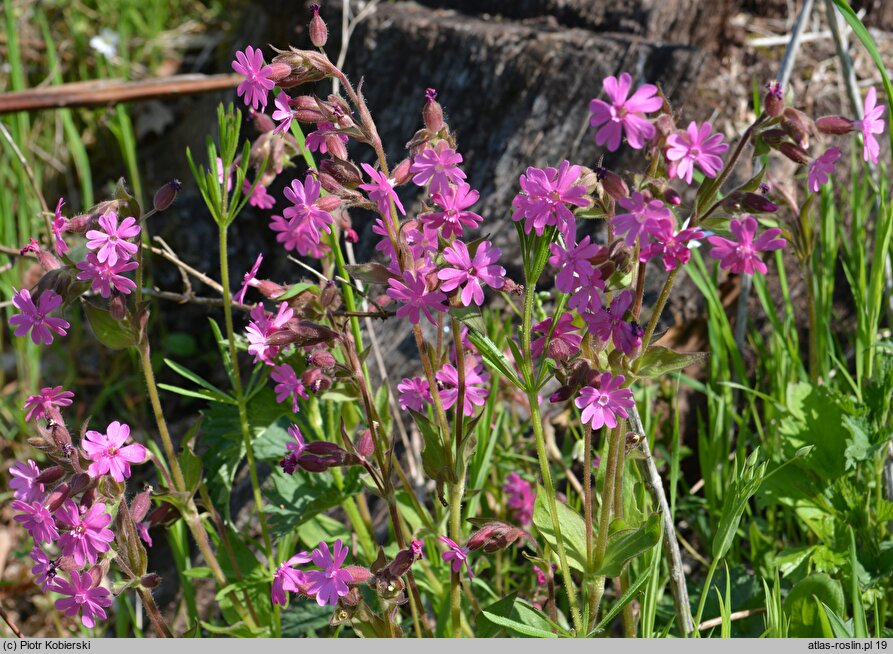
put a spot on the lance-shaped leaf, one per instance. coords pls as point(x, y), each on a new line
point(114, 334)
point(626, 544)
point(658, 360)
point(371, 273)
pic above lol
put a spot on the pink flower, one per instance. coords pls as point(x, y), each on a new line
point(608, 324)
point(695, 146)
point(456, 556)
point(437, 167)
point(24, 481)
point(565, 334)
point(381, 191)
point(574, 267)
point(821, 168)
point(257, 83)
point(329, 583)
point(107, 277)
point(87, 534)
point(642, 216)
point(59, 224)
point(37, 405)
point(298, 234)
point(258, 196)
point(249, 279)
point(414, 393)
point(304, 198)
point(34, 318)
point(44, 568)
point(288, 385)
point(470, 274)
point(871, 124)
point(283, 112)
point(545, 194)
point(220, 175)
point(476, 391)
point(454, 216)
point(316, 140)
point(520, 497)
point(413, 292)
point(109, 454)
point(111, 244)
point(289, 579)
point(601, 406)
point(670, 244)
point(82, 597)
point(36, 520)
point(624, 113)
point(296, 445)
point(742, 256)
point(260, 327)
point(142, 528)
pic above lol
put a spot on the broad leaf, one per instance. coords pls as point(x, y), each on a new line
point(627, 544)
point(114, 334)
point(573, 529)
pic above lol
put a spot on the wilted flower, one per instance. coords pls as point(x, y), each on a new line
point(38, 405)
point(59, 227)
point(565, 334)
point(249, 279)
point(289, 579)
point(288, 385)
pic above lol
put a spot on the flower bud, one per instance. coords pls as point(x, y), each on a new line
point(141, 504)
point(165, 196)
point(563, 394)
point(432, 114)
point(351, 236)
point(319, 33)
point(401, 174)
point(97, 572)
point(612, 183)
point(309, 463)
point(118, 307)
point(270, 289)
point(335, 145)
point(51, 475)
point(358, 574)
point(306, 109)
point(512, 288)
point(262, 122)
point(836, 125)
point(665, 126)
point(558, 350)
point(798, 126)
point(329, 203)
point(342, 171)
point(495, 536)
point(57, 497)
point(796, 154)
point(321, 359)
point(773, 101)
point(279, 70)
point(151, 580)
point(671, 197)
point(752, 202)
point(364, 444)
point(79, 482)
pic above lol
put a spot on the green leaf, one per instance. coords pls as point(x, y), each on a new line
point(191, 466)
point(218, 394)
point(295, 499)
point(296, 289)
point(860, 624)
point(493, 356)
point(627, 544)
point(803, 612)
point(617, 607)
point(114, 334)
point(658, 361)
point(304, 619)
point(519, 627)
point(200, 394)
point(573, 529)
point(816, 417)
point(840, 628)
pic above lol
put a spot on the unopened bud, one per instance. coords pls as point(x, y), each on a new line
point(665, 125)
point(79, 482)
point(57, 497)
point(351, 236)
point(335, 145)
point(270, 289)
point(774, 137)
point(495, 536)
point(343, 172)
point(752, 202)
point(773, 101)
point(278, 71)
point(141, 504)
point(51, 475)
point(401, 174)
point(118, 307)
point(306, 109)
point(432, 114)
point(358, 575)
point(798, 126)
point(165, 196)
point(262, 122)
point(612, 183)
point(671, 197)
point(365, 444)
point(319, 33)
point(321, 359)
point(563, 394)
point(836, 125)
point(795, 153)
point(151, 580)
point(329, 203)
point(97, 572)
point(558, 350)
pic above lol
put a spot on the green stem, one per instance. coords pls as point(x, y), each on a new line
point(604, 522)
point(706, 590)
point(457, 489)
point(655, 314)
point(537, 422)
point(243, 413)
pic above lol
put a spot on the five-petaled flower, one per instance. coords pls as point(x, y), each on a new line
point(415, 393)
point(476, 390)
point(413, 292)
point(608, 324)
point(872, 123)
point(289, 579)
point(83, 596)
point(545, 194)
point(329, 583)
point(565, 338)
point(696, 146)
point(261, 326)
point(625, 113)
point(438, 167)
point(601, 406)
point(641, 217)
point(470, 273)
point(257, 83)
point(44, 568)
point(283, 112)
point(36, 519)
point(573, 261)
point(669, 244)
point(288, 385)
point(742, 255)
point(107, 277)
point(35, 318)
point(454, 217)
point(50, 396)
point(821, 168)
point(88, 534)
point(456, 556)
point(111, 243)
point(24, 482)
point(109, 454)
point(381, 191)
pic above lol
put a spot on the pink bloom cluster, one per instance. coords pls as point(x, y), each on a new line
point(300, 227)
point(111, 255)
point(520, 497)
point(327, 584)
